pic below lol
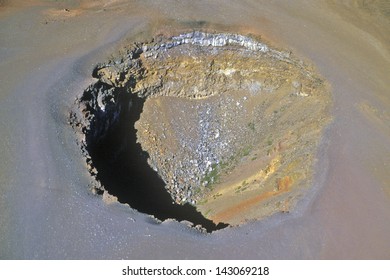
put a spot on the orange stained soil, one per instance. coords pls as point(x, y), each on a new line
point(244, 206)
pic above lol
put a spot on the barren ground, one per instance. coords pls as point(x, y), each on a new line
point(47, 52)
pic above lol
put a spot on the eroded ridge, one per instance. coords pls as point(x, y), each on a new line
point(230, 124)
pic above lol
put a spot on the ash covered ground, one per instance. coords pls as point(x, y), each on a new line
point(49, 50)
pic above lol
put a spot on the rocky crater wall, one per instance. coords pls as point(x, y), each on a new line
point(229, 124)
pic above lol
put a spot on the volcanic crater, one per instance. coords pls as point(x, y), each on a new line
point(213, 128)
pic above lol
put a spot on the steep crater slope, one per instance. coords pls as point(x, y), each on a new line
point(220, 123)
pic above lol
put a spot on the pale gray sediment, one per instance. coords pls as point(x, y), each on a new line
point(47, 210)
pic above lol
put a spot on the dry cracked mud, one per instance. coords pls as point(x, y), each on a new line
point(229, 123)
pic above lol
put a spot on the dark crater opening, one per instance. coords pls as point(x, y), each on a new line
point(124, 172)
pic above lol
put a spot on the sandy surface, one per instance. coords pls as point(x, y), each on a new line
point(46, 56)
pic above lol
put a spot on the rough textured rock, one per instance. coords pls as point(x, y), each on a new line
point(230, 124)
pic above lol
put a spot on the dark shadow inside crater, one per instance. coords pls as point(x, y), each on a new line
point(124, 172)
